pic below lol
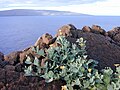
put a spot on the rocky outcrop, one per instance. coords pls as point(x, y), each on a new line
point(86, 29)
point(98, 29)
point(95, 29)
point(12, 80)
point(22, 55)
point(100, 45)
point(115, 35)
point(67, 30)
point(43, 41)
point(2, 62)
point(13, 57)
point(101, 49)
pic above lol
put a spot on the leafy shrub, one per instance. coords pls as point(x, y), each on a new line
point(69, 62)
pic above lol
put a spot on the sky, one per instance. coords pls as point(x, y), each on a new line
point(92, 7)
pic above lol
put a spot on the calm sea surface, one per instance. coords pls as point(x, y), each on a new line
point(19, 32)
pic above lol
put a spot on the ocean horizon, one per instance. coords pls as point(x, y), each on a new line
point(20, 32)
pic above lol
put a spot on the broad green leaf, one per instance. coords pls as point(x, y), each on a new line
point(118, 69)
point(49, 80)
point(28, 60)
point(50, 73)
point(28, 71)
point(64, 57)
point(106, 79)
point(37, 49)
point(110, 87)
point(77, 82)
point(33, 49)
point(41, 52)
point(86, 84)
point(36, 62)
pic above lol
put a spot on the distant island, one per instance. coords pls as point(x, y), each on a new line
point(30, 12)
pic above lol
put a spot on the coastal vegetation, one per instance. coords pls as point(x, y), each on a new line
point(86, 59)
point(68, 62)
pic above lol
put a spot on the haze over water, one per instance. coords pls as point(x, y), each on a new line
point(20, 32)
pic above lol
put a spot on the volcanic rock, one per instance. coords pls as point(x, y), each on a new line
point(115, 35)
point(97, 29)
point(101, 47)
point(43, 41)
point(2, 62)
point(9, 68)
point(13, 57)
point(67, 30)
point(86, 29)
point(24, 53)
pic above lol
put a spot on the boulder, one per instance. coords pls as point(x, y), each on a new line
point(13, 57)
point(18, 57)
point(98, 30)
point(24, 53)
point(115, 35)
point(43, 41)
point(113, 32)
point(100, 48)
point(67, 30)
point(86, 29)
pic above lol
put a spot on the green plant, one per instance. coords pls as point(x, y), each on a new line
point(69, 62)
point(34, 68)
point(39, 52)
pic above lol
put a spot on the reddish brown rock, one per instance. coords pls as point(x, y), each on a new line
point(86, 29)
point(67, 30)
point(26, 52)
point(97, 29)
point(113, 32)
point(100, 48)
point(13, 57)
point(104, 49)
point(115, 35)
point(43, 41)
point(18, 56)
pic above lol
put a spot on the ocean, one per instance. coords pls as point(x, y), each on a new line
point(20, 32)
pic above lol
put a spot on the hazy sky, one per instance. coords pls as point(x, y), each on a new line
point(93, 7)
